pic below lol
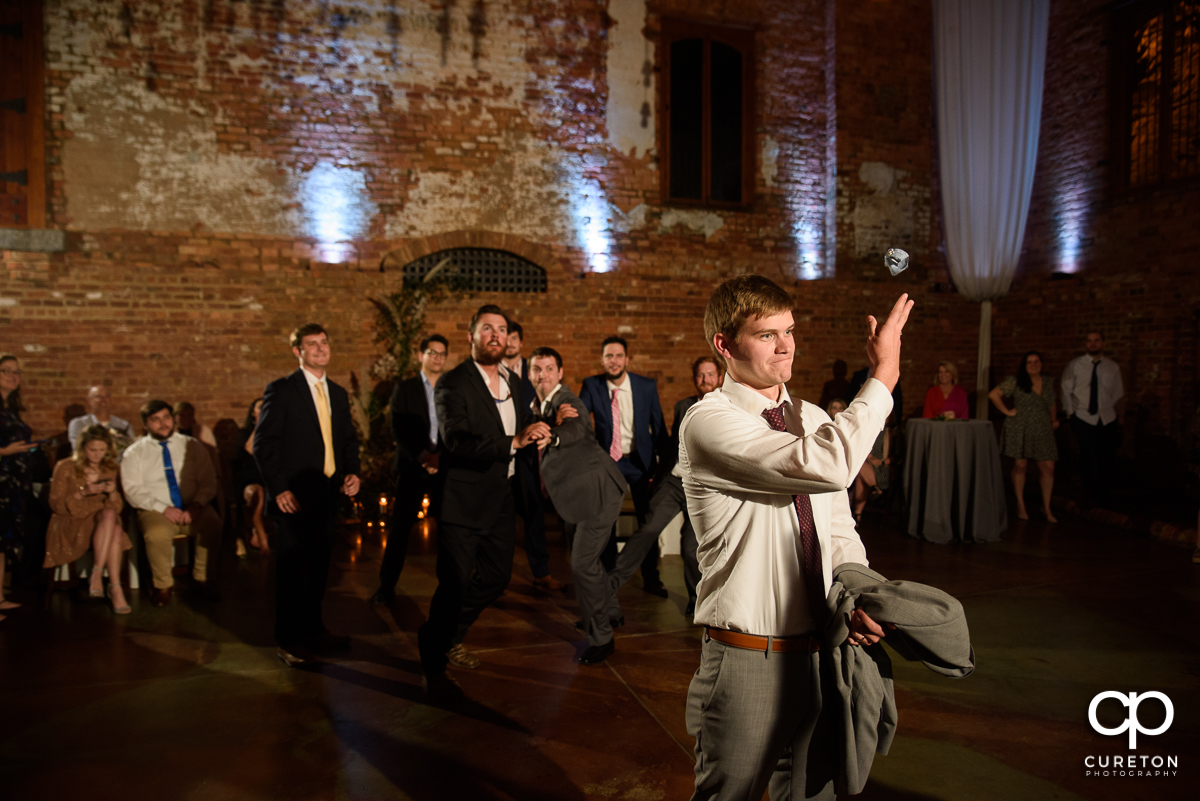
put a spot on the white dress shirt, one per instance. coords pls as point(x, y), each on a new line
point(1077, 389)
point(625, 404)
point(740, 475)
point(312, 388)
point(542, 408)
point(507, 408)
point(143, 476)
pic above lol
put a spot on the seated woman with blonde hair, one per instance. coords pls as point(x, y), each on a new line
point(946, 398)
point(86, 503)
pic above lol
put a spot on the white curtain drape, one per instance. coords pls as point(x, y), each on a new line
point(989, 60)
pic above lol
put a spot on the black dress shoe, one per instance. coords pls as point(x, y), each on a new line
point(442, 688)
point(656, 589)
point(595, 654)
point(383, 596)
point(325, 642)
point(615, 622)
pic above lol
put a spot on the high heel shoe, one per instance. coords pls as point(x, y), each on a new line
point(118, 610)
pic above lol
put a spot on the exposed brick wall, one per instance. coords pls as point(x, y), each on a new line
point(180, 137)
point(183, 140)
point(1132, 255)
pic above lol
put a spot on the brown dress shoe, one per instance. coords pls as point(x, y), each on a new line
point(160, 597)
point(548, 583)
point(462, 658)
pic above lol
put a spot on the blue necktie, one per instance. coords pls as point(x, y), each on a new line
point(172, 484)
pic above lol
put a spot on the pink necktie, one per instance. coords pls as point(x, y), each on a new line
point(614, 447)
point(814, 580)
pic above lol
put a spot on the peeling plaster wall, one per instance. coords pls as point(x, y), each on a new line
point(883, 218)
point(137, 160)
point(631, 87)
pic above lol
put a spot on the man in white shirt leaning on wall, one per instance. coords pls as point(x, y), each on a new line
point(766, 481)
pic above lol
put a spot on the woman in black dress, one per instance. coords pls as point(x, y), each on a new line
point(15, 446)
point(249, 480)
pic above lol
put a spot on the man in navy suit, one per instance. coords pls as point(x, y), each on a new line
point(307, 451)
point(669, 498)
point(633, 443)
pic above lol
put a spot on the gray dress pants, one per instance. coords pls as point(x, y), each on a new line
point(752, 716)
point(596, 597)
point(668, 500)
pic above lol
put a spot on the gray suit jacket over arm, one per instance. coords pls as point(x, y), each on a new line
point(859, 705)
point(579, 475)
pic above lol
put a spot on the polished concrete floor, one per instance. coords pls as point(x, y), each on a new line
point(189, 701)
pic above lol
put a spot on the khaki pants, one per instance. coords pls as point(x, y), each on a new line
point(160, 533)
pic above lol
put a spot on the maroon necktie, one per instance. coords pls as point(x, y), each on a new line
point(814, 579)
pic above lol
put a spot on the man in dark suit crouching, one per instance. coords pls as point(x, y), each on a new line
point(483, 424)
point(587, 488)
point(307, 451)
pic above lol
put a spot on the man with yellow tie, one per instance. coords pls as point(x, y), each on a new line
point(307, 451)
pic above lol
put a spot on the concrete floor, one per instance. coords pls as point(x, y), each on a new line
point(189, 702)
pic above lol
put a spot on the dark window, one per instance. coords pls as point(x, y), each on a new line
point(489, 270)
point(706, 120)
point(1157, 72)
point(22, 136)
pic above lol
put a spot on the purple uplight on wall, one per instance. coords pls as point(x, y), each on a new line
point(1072, 221)
point(809, 266)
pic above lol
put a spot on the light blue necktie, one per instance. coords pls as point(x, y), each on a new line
point(172, 484)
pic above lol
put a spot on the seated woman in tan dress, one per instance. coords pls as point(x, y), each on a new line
point(86, 503)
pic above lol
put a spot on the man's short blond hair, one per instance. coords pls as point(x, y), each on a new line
point(740, 299)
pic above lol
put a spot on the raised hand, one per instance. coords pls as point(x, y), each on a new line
point(883, 342)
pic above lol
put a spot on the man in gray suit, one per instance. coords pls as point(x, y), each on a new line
point(587, 489)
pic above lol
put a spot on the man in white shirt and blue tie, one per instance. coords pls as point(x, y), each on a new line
point(766, 480)
point(170, 480)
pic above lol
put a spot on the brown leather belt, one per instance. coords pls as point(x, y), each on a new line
point(752, 642)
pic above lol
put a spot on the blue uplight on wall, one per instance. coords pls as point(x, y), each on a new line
point(590, 217)
point(808, 251)
point(1072, 217)
point(337, 209)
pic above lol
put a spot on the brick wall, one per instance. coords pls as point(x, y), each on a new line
point(192, 149)
point(1130, 257)
point(226, 170)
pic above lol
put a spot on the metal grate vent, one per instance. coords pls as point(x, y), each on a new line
point(490, 270)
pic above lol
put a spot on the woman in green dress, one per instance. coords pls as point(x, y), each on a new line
point(1029, 430)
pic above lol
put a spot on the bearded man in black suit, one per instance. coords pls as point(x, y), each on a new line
point(483, 425)
point(307, 451)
